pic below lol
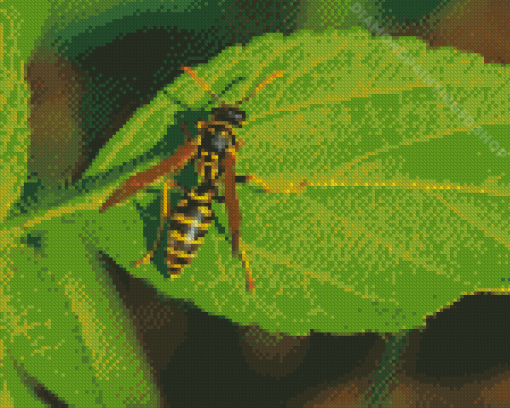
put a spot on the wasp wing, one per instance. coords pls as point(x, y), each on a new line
point(184, 154)
point(231, 199)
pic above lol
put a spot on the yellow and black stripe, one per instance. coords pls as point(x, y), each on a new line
point(192, 217)
point(189, 225)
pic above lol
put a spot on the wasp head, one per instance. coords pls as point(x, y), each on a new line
point(230, 114)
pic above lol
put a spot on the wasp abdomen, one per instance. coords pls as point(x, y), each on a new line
point(189, 225)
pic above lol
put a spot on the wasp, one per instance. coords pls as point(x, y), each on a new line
point(215, 150)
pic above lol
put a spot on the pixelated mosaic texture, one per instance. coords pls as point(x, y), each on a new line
point(328, 225)
point(264, 179)
point(360, 132)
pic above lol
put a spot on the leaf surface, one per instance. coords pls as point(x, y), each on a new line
point(65, 326)
point(362, 213)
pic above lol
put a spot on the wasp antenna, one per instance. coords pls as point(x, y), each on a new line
point(265, 82)
point(201, 82)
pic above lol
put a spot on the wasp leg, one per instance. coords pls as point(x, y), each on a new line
point(234, 214)
point(166, 214)
point(250, 285)
point(239, 179)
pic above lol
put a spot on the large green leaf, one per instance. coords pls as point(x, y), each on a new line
point(393, 224)
point(372, 203)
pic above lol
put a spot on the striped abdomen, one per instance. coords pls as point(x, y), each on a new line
point(189, 225)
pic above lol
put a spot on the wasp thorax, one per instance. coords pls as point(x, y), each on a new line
point(220, 140)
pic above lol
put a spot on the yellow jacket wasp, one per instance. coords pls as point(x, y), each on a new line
point(215, 147)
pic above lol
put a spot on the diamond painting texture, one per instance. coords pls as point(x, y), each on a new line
point(255, 203)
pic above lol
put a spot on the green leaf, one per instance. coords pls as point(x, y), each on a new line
point(391, 226)
point(148, 126)
point(13, 113)
point(65, 325)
